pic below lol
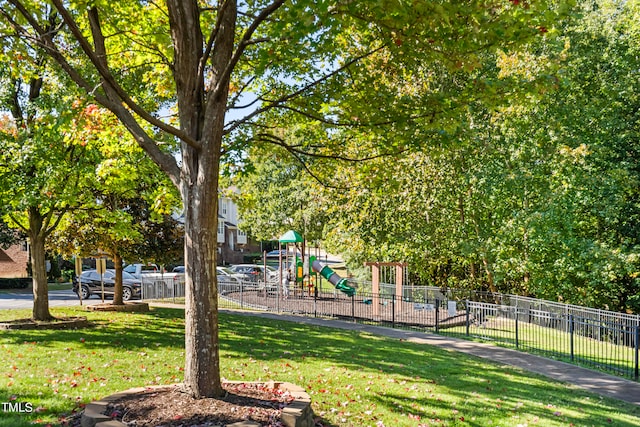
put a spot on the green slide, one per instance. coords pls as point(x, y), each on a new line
point(333, 278)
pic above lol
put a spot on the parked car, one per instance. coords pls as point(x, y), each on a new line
point(151, 273)
point(227, 275)
point(277, 253)
point(91, 284)
point(137, 270)
point(255, 272)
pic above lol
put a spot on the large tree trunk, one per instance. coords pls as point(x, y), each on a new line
point(202, 364)
point(38, 267)
point(202, 118)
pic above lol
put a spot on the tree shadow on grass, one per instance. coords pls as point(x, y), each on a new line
point(158, 327)
point(482, 386)
point(485, 388)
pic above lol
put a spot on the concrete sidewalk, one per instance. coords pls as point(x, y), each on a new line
point(587, 379)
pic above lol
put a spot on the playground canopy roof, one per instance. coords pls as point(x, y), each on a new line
point(291, 237)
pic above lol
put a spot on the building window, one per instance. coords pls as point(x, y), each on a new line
point(221, 236)
point(223, 207)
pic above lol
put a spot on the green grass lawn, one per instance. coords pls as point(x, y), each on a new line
point(354, 379)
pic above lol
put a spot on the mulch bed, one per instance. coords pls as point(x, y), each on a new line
point(169, 407)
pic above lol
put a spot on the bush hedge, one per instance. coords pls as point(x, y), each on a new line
point(15, 283)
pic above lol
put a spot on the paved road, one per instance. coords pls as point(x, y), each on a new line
point(22, 299)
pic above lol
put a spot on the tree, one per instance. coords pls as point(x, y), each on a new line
point(42, 163)
point(585, 234)
point(537, 196)
point(277, 194)
point(278, 60)
point(130, 216)
point(8, 236)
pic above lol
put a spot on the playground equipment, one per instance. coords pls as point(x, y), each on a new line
point(340, 283)
point(375, 280)
point(302, 274)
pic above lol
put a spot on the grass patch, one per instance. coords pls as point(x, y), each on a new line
point(60, 286)
point(28, 290)
point(354, 379)
point(597, 354)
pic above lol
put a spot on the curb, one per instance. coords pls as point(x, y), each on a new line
point(297, 414)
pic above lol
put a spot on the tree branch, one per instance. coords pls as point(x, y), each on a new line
point(166, 162)
point(295, 150)
point(296, 155)
point(279, 102)
point(108, 78)
point(16, 222)
point(242, 45)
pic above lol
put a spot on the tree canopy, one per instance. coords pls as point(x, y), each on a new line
point(43, 157)
point(534, 193)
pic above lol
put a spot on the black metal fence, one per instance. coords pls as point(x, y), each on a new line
point(597, 339)
point(608, 342)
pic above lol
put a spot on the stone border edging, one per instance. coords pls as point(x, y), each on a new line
point(61, 323)
point(127, 307)
point(296, 414)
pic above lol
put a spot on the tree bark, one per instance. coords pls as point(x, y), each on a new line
point(38, 266)
point(490, 277)
point(202, 364)
point(203, 120)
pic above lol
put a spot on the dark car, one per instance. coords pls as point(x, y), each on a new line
point(91, 284)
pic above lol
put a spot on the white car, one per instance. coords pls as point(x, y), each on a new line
point(225, 275)
point(256, 272)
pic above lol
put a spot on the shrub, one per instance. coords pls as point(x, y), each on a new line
point(15, 283)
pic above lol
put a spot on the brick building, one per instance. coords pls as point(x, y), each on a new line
point(13, 261)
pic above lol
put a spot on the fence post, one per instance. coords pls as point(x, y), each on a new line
point(353, 308)
point(517, 335)
point(242, 293)
point(466, 302)
point(637, 346)
point(393, 311)
point(571, 327)
point(315, 299)
point(437, 315)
